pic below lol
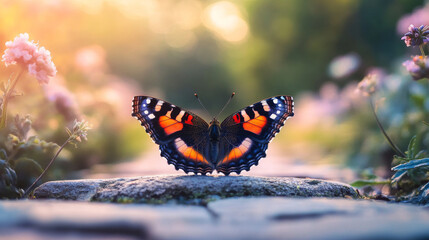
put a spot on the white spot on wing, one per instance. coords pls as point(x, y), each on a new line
point(245, 116)
point(247, 142)
point(179, 117)
point(265, 105)
point(275, 100)
point(273, 116)
point(146, 112)
point(148, 100)
point(278, 112)
point(158, 105)
point(151, 116)
point(180, 145)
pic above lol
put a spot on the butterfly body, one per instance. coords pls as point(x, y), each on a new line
point(214, 138)
point(190, 144)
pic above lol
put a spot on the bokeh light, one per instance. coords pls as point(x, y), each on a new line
point(225, 19)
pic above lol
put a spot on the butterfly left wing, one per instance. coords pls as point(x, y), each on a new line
point(245, 135)
point(181, 135)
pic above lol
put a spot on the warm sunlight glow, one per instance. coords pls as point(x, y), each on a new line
point(91, 59)
point(224, 18)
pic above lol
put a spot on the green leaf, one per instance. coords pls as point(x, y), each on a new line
point(27, 170)
point(398, 160)
point(12, 142)
point(422, 154)
point(3, 154)
point(418, 100)
point(398, 175)
point(363, 183)
point(412, 148)
point(368, 174)
point(35, 144)
point(30, 163)
point(413, 164)
point(424, 191)
point(8, 182)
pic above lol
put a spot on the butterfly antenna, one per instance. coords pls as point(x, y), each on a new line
point(196, 95)
point(226, 104)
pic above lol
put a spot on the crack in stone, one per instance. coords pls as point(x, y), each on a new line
point(115, 228)
point(303, 216)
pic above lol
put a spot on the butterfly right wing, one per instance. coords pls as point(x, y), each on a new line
point(246, 134)
point(181, 135)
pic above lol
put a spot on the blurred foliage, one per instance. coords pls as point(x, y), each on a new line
point(21, 157)
point(8, 181)
point(412, 174)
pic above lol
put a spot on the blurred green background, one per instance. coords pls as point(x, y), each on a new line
point(107, 51)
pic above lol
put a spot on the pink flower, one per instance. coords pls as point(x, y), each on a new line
point(419, 17)
point(43, 67)
point(37, 60)
point(63, 99)
point(20, 51)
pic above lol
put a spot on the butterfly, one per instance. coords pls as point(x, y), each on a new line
point(193, 145)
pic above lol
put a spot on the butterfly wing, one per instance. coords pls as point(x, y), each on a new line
point(181, 135)
point(245, 134)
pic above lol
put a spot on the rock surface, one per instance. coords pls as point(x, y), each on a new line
point(234, 218)
point(189, 188)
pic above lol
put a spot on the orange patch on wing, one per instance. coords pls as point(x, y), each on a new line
point(189, 152)
point(255, 125)
point(234, 154)
point(169, 125)
point(238, 152)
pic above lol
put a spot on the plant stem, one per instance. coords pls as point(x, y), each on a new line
point(6, 97)
point(392, 145)
point(422, 51)
point(29, 189)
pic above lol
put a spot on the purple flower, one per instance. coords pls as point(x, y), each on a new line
point(416, 35)
point(418, 67)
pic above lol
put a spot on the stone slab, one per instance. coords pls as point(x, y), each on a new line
point(234, 218)
point(321, 218)
point(189, 188)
